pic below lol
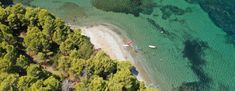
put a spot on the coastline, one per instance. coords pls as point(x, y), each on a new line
point(110, 39)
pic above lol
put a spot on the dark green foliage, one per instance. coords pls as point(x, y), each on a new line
point(22, 62)
point(51, 84)
point(9, 83)
point(25, 82)
point(83, 85)
point(96, 83)
point(8, 56)
point(123, 80)
point(5, 65)
point(102, 65)
point(77, 42)
point(35, 41)
point(78, 66)
point(37, 72)
point(37, 51)
point(60, 32)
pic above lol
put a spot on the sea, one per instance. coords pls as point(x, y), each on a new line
point(195, 39)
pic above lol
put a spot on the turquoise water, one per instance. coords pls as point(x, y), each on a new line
point(192, 51)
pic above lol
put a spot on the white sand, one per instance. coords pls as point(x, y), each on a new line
point(106, 38)
point(102, 37)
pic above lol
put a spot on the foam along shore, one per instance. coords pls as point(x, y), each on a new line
point(111, 41)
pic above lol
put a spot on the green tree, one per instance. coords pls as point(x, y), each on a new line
point(31, 15)
point(40, 57)
point(16, 17)
point(8, 57)
point(36, 41)
point(124, 65)
point(71, 43)
point(13, 21)
point(5, 65)
point(7, 34)
point(43, 15)
point(25, 82)
point(83, 85)
point(9, 84)
point(11, 54)
point(3, 75)
point(37, 86)
point(19, 10)
point(52, 83)
point(46, 20)
point(37, 72)
point(85, 47)
point(48, 27)
point(64, 63)
point(123, 80)
point(97, 84)
point(22, 62)
point(3, 14)
point(61, 31)
point(76, 41)
point(49, 84)
point(77, 67)
point(102, 65)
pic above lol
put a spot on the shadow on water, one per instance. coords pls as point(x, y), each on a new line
point(194, 52)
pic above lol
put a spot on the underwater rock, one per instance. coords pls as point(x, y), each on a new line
point(73, 10)
point(134, 7)
point(192, 1)
point(169, 10)
point(194, 52)
point(222, 13)
point(190, 86)
point(159, 28)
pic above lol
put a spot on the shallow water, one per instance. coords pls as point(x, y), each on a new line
point(195, 50)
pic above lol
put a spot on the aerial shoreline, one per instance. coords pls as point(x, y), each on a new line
point(194, 47)
point(110, 39)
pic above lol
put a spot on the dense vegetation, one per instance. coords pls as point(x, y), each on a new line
point(38, 52)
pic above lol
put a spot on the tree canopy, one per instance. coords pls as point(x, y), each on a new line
point(38, 51)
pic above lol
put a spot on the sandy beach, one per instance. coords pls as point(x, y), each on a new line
point(102, 37)
point(111, 41)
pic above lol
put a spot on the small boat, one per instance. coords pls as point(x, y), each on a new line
point(152, 46)
point(125, 45)
point(130, 42)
